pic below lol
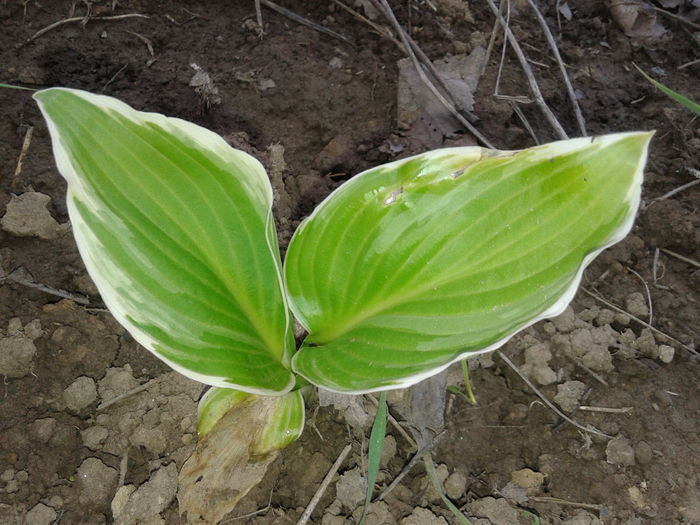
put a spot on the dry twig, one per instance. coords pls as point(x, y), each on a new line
point(23, 152)
point(80, 299)
point(646, 287)
point(83, 20)
point(673, 192)
point(384, 7)
point(127, 394)
point(557, 501)
point(643, 323)
point(681, 257)
point(303, 21)
point(324, 485)
point(562, 68)
point(551, 118)
point(547, 402)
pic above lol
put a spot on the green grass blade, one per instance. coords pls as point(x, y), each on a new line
point(376, 444)
point(175, 228)
point(692, 106)
point(430, 470)
point(416, 264)
point(11, 86)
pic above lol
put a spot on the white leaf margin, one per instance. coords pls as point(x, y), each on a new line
point(207, 140)
point(546, 151)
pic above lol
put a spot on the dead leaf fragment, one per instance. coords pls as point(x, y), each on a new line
point(418, 109)
point(222, 468)
point(27, 216)
point(637, 19)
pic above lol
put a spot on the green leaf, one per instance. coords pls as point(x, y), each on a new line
point(175, 228)
point(285, 423)
point(374, 456)
point(416, 264)
point(214, 405)
point(692, 106)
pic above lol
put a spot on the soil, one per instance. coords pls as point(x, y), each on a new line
point(332, 106)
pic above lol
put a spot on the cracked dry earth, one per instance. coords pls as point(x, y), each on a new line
point(316, 110)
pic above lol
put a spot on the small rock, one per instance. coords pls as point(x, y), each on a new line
point(565, 321)
point(152, 439)
point(330, 519)
point(598, 359)
point(43, 429)
point(95, 481)
point(80, 394)
point(14, 326)
point(496, 510)
point(619, 451)
point(22, 476)
point(33, 329)
point(40, 514)
point(666, 353)
point(430, 495)
point(605, 317)
point(12, 486)
point(569, 394)
point(120, 499)
point(514, 493)
point(643, 453)
point(27, 216)
point(456, 485)
point(150, 499)
point(622, 319)
point(646, 344)
point(636, 304)
point(637, 498)
point(421, 516)
point(7, 475)
point(350, 488)
point(335, 154)
point(536, 367)
point(389, 450)
point(377, 514)
point(16, 354)
point(116, 381)
point(528, 479)
point(94, 436)
point(582, 518)
point(336, 63)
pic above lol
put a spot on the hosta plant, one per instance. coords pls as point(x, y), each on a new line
point(403, 270)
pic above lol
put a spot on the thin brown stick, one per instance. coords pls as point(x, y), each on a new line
point(547, 402)
point(384, 7)
point(81, 19)
point(121, 397)
point(23, 152)
point(674, 191)
point(258, 14)
point(526, 123)
point(557, 501)
point(145, 40)
point(551, 118)
point(395, 424)
point(324, 485)
point(381, 30)
point(688, 64)
point(643, 323)
point(681, 257)
point(492, 40)
point(555, 50)
point(646, 287)
point(676, 17)
point(607, 410)
point(303, 21)
point(80, 299)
